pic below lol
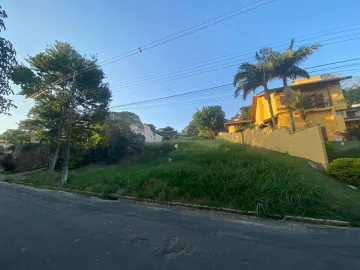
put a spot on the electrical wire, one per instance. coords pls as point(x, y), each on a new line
point(213, 21)
point(191, 93)
point(206, 70)
point(194, 66)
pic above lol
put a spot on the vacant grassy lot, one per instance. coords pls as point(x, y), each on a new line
point(219, 173)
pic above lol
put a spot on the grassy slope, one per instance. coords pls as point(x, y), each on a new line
point(218, 173)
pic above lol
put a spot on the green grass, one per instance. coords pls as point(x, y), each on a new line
point(219, 173)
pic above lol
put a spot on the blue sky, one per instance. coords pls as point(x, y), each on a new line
point(109, 28)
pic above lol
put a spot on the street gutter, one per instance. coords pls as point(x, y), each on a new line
point(327, 222)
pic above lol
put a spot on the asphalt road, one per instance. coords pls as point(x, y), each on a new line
point(56, 230)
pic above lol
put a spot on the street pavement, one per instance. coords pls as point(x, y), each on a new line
point(42, 229)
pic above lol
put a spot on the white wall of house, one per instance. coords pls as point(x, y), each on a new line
point(150, 136)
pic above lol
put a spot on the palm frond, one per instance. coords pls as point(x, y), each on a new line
point(297, 72)
point(291, 44)
point(286, 64)
point(247, 79)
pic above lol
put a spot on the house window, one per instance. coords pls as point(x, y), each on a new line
point(318, 101)
point(282, 100)
point(339, 113)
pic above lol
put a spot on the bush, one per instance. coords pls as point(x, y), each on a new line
point(346, 170)
point(7, 163)
point(329, 148)
point(250, 126)
point(240, 129)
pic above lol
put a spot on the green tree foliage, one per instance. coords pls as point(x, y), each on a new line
point(286, 66)
point(168, 128)
point(352, 94)
point(245, 112)
point(152, 127)
point(49, 70)
point(125, 117)
point(191, 129)
point(209, 120)
point(7, 62)
point(116, 138)
point(253, 76)
point(300, 103)
point(15, 136)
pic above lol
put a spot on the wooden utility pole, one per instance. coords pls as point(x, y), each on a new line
point(65, 170)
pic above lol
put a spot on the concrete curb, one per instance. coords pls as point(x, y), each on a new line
point(328, 222)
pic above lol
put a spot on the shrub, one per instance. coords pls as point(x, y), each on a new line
point(240, 129)
point(250, 126)
point(7, 163)
point(329, 148)
point(346, 170)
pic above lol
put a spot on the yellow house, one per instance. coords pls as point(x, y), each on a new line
point(352, 118)
point(232, 126)
point(328, 107)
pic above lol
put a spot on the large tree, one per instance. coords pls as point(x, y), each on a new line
point(168, 128)
point(253, 76)
point(209, 120)
point(7, 62)
point(47, 79)
point(191, 129)
point(152, 127)
point(15, 136)
point(352, 94)
point(286, 66)
point(245, 113)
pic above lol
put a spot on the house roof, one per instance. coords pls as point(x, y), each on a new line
point(353, 109)
point(279, 89)
point(354, 118)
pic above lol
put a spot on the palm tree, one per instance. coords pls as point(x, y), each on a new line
point(252, 76)
point(300, 103)
point(286, 66)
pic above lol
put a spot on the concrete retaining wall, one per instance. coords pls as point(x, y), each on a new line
point(307, 143)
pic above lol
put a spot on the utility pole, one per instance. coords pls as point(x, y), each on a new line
point(65, 170)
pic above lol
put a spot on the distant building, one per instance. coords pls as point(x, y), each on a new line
point(352, 117)
point(150, 136)
point(233, 126)
point(327, 107)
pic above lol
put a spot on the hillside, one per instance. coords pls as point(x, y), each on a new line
point(219, 173)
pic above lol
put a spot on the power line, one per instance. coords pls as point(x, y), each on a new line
point(217, 87)
point(172, 96)
point(204, 70)
point(206, 24)
point(194, 66)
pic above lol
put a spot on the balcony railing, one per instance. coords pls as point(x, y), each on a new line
point(317, 104)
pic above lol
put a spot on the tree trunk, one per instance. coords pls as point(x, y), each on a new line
point(303, 117)
point(292, 121)
point(267, 95)
point(55, 155)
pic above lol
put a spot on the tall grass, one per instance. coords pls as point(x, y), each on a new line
point(221, 175)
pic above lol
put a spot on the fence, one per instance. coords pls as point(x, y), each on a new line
point(307, 143)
